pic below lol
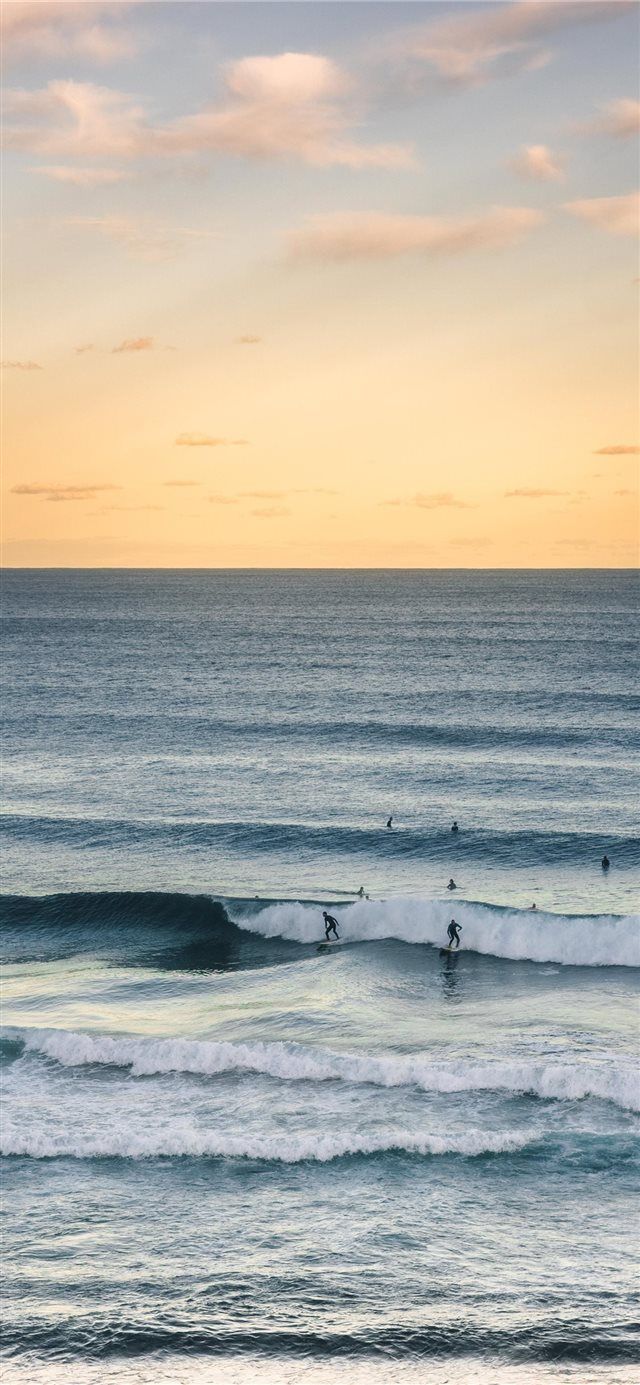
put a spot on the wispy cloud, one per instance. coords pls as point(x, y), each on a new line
point(532, 493)
point(619, 118)
point(206, 440)
point(263, 495)
point(222, 499)
point(21, 365)
point(65, 30)
point(379, 235)
point(182, 483)
point(286, 106)
point(618, 215)
point(126, 509)
point(617, 449)
point(271, 512)
point(81, 177)
point(61, 493)
point(82, 350)
point(537, 162)
point(248, 341)
point(488, 42)
point(142, 240)
point(133, 344)
point(438, 500)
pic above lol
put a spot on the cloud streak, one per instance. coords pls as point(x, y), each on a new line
point(81, 177)
point(484, 43)
point(621, 119)
point(206, 440)
point(21, 365)
point(617, 449)
point(133, 344)
point(54, 492)
point(141, 240)
point(343, 236)
point(619, 216)
point(532, 493)
point(438, 500)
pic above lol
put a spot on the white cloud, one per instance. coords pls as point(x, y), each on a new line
point(484, 42)
point(378, 235)
point(620, 118)
point(618, 215)
point(537, 162)
point(64, 29)
point(289, 106)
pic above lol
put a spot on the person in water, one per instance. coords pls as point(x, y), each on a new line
point(454, 827)
point(330, 926)
point(360, 892)
point(534, 907)
point(452, 885)
point(453, 933)
point(389, 824)
point(605, 863)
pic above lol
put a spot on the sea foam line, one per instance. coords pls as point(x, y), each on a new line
point(614, 1080)
point(186, 1141)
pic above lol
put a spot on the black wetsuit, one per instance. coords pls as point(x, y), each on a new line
point(330, 926)
point(453, 934)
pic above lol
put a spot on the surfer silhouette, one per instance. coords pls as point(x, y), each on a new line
point(605, 863)
point(452, 885)
point(453, 933)
point(454, 827)
point(330, 926)
point(390, 820)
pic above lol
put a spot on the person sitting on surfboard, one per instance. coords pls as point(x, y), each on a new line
point(453, 933)
point(330, 926)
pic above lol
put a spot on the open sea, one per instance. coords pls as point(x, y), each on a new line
point(229, 1156)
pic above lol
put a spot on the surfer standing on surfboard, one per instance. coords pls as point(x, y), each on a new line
point(453, 933)
point(330, 926)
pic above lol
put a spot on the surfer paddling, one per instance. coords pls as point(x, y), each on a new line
point(330, 926)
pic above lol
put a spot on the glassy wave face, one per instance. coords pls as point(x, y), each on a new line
point(226, 1143)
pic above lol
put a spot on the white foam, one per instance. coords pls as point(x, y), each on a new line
point(611, 1079)
point(587, 941)
point(185, 1140)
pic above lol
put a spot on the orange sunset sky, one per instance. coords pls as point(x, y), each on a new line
point(319, 284)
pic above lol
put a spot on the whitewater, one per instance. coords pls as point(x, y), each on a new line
point(220, 1144)
point(582, 941)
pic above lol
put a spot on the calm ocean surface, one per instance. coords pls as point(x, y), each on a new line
point(231, 1157)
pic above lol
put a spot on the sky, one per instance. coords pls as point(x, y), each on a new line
point(320, 284)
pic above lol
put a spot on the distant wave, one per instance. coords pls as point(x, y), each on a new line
point(191, 1142)
point(256, 838)
point(612, 1080)
point(202, 933)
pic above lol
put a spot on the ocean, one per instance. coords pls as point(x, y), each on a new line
point(230, 1156)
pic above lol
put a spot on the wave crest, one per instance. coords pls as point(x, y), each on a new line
point(612, 1080)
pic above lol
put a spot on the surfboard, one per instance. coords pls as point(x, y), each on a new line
point(325, 946)
point(446, 951)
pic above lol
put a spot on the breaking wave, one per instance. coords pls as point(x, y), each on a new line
point(207, 931)
point(587, 941)
point(610, 1080)
point(189, 1142)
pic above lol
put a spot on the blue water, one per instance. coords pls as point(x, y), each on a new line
point(229, 1156)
